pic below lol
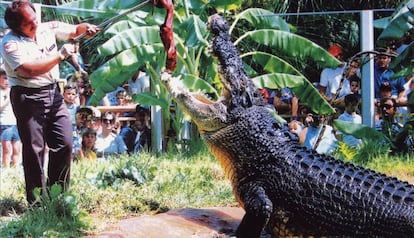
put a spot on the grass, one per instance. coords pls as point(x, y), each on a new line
point(104, 192)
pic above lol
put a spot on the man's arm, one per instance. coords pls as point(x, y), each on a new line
point(46, 64)
point(81, 28)
point(39, 67)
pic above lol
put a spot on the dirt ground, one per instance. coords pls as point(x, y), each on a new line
point(209, 222)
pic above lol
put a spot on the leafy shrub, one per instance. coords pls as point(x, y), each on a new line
point(55, 214)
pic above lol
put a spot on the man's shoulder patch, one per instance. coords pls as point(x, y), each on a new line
point(10, 47)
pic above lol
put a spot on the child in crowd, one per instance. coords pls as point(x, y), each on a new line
point(137, 136)
point(354, 86)
point(350, 115)
point(87, 150)
point(9, 137)
point(70, 96)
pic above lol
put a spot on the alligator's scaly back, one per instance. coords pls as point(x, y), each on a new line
point(283, 187)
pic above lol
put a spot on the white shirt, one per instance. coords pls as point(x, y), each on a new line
point(17, 50)
point(331, 78)
point(6, 115)
point(112, 144)
point(141, 84)
point(327, 143)
point(354, 118)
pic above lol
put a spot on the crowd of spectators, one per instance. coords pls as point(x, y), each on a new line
point(100, 135)
point(103, 134)
point(341, 88)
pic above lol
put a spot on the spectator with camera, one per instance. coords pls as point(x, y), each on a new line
point(318, 135)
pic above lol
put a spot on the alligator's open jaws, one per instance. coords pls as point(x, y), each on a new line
point(283, 187)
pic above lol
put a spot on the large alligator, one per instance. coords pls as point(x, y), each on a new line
point(282, 186)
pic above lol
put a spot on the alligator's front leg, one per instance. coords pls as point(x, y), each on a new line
point(258, 209)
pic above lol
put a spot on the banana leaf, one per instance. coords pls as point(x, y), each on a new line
point(196, 84)
point(302, 88)
point(121, 67)
point(404, 59)
point(95, 8)
point(293, 46)
point(120, 26)
point(200, 7)
point(382, 23)
point(261, 19)
point(225, 5)
point(359, 131)
point(130, 38)
point(404, 72)
point(149, 99)
point(401, 22)
point(271, 63)
point(193, 30)
point(410, 101)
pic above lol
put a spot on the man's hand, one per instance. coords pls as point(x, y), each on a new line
point(66, 51)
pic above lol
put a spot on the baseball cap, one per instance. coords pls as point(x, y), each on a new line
point(335, 50)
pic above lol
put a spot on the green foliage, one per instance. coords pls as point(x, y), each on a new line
point(399, 22)
point(55, 214)
point(110, 190)
point(359, 131)
point(398, 25)
point(398, 142)
point(300, 87)
point(367, 152)
point(124, 170)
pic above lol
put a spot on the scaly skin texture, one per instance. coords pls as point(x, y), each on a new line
point(283, 187)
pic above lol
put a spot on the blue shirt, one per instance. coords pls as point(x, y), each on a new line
point(327, 143)
point(384, 76)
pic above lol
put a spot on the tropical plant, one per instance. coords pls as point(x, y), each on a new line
point(131, 44)
point(57, 213)
point(398, 25)
point(269, 50)
point(401, 141)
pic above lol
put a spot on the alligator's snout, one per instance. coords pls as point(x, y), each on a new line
point(239, 90)
point(217, 24)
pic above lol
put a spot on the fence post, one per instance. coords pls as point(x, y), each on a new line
point(156, 125)
point(367, 80)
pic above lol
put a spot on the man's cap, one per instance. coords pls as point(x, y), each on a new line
point(141, 108)
point(90, 110)
point(335, 50)
point(85, 109)
point(385, 51)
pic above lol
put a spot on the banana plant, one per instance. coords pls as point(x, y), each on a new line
point(134, 41)
point(394, 27)
point(273, 32)
point(401, 141)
